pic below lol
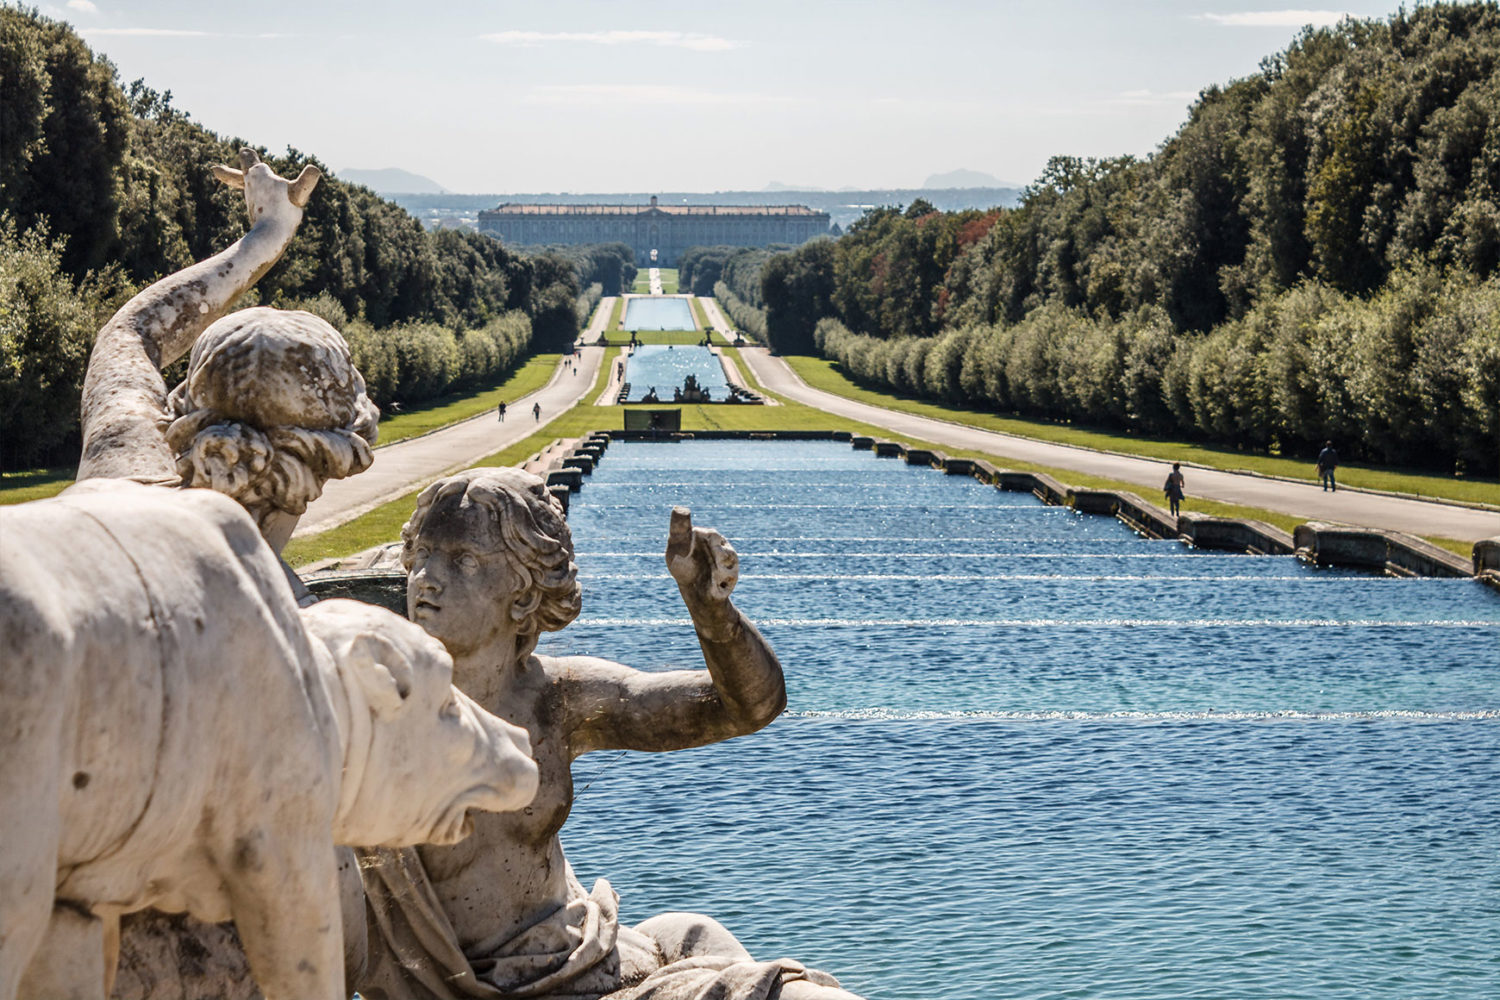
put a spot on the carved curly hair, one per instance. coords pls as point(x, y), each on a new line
point(271, 409)
point(527, 523)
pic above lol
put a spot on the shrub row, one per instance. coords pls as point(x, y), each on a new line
point(412, 362)
point(1410, 376)
point(746, 318)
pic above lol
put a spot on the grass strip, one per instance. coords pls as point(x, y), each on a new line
point(825, 375)
point(35, 484)
point(534, 373)
point(679, 337)
point(617, 315)
point(384, 523)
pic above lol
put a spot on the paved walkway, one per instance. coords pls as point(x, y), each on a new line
point(1306, 500)
point(402, 467)
point(595, 330)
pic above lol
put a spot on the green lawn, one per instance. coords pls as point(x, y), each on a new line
point(35, 484)
point(384, 523)
point(689, 337)
point(617, 315)
point(534, 373)
point(825, 375)
point(699, 315)
point(643, 280)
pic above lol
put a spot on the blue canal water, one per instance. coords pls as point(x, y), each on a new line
point(666, 367)
point(657, 313)
point(1030, 755)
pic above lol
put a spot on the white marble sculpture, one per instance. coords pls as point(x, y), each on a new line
point(271, 407)
point(175, 732)
point(490, 564)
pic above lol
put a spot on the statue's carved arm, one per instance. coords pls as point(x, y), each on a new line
point(617, 707)
point(124, 395)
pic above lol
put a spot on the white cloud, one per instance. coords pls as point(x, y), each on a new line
point(1278, 18)
point(668, 39)
point(1150, 98)
point(148, 32)
point(642, 93)
point(83, 5)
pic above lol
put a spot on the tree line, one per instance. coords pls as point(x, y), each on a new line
point(105, 188)
point(1314, 254)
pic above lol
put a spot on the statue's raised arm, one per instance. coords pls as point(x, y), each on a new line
point(124, 395)
point(272, 406)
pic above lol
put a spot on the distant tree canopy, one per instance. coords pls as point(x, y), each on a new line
point(104, 189)
point(1318, 248)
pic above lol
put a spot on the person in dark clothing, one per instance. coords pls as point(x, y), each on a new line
point(1328, 460)
point(536, 411)
point(501, 411)
point(1173, 487)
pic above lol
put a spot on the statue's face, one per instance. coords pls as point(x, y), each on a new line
point(460, 587)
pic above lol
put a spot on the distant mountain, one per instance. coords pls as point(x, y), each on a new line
point(392, 180)
point(778, 186)
point(963, 179)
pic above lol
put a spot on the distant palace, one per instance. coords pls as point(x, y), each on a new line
point(667, 229)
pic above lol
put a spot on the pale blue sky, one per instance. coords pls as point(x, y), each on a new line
point(586, 95)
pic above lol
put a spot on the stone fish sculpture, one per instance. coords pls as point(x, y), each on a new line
point(490, 567)
point(175, 732)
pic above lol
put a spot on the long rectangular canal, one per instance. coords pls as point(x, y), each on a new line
point(1028, 754)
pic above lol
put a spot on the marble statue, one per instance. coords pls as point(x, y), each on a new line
point(490, 567)
point(271, 407)
point(176, 732)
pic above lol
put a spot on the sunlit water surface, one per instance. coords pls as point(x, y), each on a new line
point(657, 313)
point(1028, 754)
point(666, 367)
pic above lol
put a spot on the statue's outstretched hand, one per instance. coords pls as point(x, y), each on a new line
point(702, 562)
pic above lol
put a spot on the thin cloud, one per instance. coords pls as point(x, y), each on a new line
point(641, 94)
point(83, 5)
point(175, 32)
point(1278, 18)
point(666, 39)
point(150, 32)
point(1150, 98)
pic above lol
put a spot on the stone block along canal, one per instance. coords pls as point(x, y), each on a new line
point(1030, 755)
point(657, 313)
point(665, 367)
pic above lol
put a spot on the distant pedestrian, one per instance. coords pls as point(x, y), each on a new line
point(501, 411)
point(536, 411)
point(1174, 487)
point(1328, 460)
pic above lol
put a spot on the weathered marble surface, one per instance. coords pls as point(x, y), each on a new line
point(490, 563)
point(271, 408)
point(175, 732)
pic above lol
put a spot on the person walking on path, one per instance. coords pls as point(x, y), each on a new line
point(1174, 486)
point(501, 411)
point(1328, 460)
point(536, 411)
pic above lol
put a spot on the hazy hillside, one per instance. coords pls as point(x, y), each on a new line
point(391, 180)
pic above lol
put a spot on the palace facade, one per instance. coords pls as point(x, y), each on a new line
point(667, 229)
